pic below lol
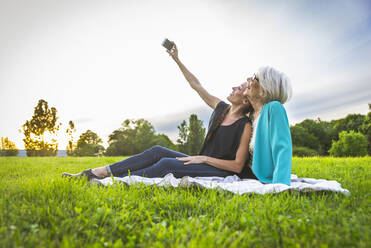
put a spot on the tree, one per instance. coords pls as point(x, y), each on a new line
point(191, 137)
point(196, 135)
point(89, 145)
point(322, 130)
point(183, 136)
point(164, 141)
point(7, 147)
point(41, 130)
point(70, 131)
point(144, 135)
point(121, 141)
point(366, 129)
point(314, 134)
point(302, 138)
point(135, 136)
point(350, 122)
point(349, 144)
point(303, 152)
point(325, 138)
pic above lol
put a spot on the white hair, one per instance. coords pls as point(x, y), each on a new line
point(275, 85)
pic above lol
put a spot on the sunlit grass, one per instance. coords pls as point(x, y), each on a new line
point(38, 208)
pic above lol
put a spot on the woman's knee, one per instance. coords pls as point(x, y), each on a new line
point(155, 151)
point(165, 162)
point(156, 148)
point(162, 152)
point(166, 165)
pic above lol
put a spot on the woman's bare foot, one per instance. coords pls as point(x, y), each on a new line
point(100, 172)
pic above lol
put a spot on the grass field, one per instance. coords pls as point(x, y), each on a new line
point(38, 208)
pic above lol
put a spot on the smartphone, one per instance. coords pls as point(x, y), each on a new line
point(167, 44)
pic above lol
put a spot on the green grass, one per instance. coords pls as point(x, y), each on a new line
point(40, 209)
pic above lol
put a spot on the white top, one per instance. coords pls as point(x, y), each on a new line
point(252, 141)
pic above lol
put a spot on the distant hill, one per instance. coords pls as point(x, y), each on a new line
point(60, 153)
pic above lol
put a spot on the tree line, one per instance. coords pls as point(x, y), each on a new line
point(349, 136)
point(132, 137)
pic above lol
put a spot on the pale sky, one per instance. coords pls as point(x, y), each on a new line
point(101, 62)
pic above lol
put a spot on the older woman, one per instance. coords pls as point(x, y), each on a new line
point(270, 144)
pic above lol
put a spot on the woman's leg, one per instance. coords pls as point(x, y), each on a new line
point(178, 169)
point(138, 162)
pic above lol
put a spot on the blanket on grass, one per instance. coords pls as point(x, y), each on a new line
point(233, 184)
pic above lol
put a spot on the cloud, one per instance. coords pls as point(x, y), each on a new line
point(341, 93)
point(83, 120)
point(169, 123)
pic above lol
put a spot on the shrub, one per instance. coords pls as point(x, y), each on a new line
point(301, 151)
point(7, 147)
point(7, 153)
point(351, 144)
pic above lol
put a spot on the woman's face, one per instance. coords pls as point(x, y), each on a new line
point(236, 96)
point(252, 91)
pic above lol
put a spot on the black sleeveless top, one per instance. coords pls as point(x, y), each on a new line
point(226, 139)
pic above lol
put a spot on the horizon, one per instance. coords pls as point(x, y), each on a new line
point(174, 139)
point(99, 63)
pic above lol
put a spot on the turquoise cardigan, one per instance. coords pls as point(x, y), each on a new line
point(272, 158)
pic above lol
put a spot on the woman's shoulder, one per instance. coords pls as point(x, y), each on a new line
point(221, 105)
point(275, 111)
point(274, 107)
point(274, 104)
point(219, 109)
point(246, 120)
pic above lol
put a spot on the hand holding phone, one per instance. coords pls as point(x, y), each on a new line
point(167, 44)
point(171, 48)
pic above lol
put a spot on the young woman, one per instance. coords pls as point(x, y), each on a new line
point(225, 150)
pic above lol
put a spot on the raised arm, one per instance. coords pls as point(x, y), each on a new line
point(210, 100)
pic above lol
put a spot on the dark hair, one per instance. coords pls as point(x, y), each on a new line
point(221, 117)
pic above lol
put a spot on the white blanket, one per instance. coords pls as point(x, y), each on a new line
point(233, 184)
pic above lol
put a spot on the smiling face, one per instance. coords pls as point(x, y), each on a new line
point(253, 89)
point(236, 96)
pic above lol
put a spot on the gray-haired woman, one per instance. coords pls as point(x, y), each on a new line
point(271, 142)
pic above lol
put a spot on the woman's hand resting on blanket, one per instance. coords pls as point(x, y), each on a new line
point(193, 159)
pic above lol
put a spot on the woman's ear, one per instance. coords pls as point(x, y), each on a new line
point(262, 94)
